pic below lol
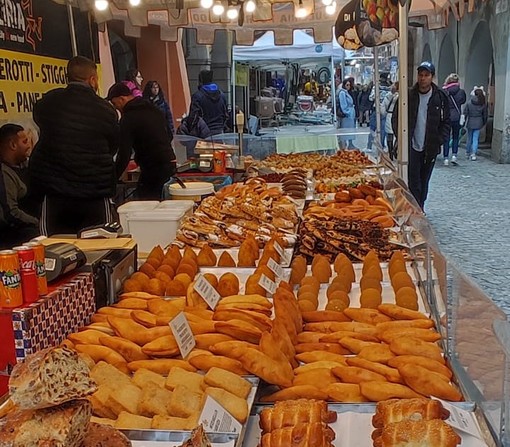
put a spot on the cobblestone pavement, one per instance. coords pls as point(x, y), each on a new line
point(469, 209)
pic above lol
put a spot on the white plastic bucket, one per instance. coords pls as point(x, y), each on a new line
point(184, 205)
point(196, 191)
point(134, 206)
point(155, 227)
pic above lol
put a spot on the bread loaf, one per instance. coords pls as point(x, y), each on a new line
point(61, 426)
point(50, 377)
point(304, 435)
point(99, 435)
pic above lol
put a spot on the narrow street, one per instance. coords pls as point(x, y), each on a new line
point(469, 209)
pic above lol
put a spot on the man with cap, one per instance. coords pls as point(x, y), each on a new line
point(143, 129)
point(429, 126)
point(72, 164)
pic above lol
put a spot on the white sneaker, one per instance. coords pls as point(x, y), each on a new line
point(445, 162)
point(454, 159)
point(473, 157)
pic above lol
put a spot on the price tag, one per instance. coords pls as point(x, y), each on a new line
point(207, 292)
point(183, 334)
point(215, 418)
point(267, 284)
point(275, 267)
point(462, 420)
point(281, 252)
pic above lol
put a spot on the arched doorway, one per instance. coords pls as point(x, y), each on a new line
point(446, 63)
point(480, 69)
point(427, 54)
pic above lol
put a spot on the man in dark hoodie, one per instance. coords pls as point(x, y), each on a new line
point(210, 103)
point(429, 126)
point(143, 129)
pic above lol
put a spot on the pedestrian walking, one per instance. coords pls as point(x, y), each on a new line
point(347, 114)
point(476, 115)
point(387, 108)
point(133, 80)
point(457, 97)
point(364, 105)
point(429, 125)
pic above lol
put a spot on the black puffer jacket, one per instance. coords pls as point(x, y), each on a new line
point(143, 128)
point(210, 104)
point(78, 138)
point(438, 120)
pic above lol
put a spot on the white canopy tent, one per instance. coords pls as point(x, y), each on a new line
point(265, 53)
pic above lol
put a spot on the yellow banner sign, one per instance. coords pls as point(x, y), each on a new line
point(24, 78)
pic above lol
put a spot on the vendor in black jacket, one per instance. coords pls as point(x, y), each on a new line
point(72, 163)
point(143, 129)
point(429, 126)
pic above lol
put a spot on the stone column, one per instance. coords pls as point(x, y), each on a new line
point(221, 61)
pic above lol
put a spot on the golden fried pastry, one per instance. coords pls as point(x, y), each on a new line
point(343, 283)
point(252, 286)
point(335, 337)
point(323, 315)
point(228, 285)
point(374, 271)
point(401, 279)
point(431, 365)
point(248, 254)
point(369, 316)
point(345, 392)
point(206, 257)
point(321, 269)
point(329, 347)
point(429, 335)
point(355, 345)
point(354, 374)
point(429, 383)
point(380, 391)
point(370, 283)
point(377, 353)
point(424, 324)
point(399, 313)
point(296, 392)
point(298, 270)
point(319, 377)
point(415, 346)
point(390, 374)
point(226, 260)
point(370, 298)
point(343, 267)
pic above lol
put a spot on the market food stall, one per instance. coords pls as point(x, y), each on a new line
point(314, 287)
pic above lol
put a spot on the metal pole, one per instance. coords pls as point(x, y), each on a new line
point(377, 97)
point(72, 30)
point(403, 105)
point(333, 91)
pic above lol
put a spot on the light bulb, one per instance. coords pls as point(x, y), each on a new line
point(232, 13)
point(301, 12)
point(331, 9)
point(135, 2)
point(327, 2)
point(206, 3)
point(250, 6)
point(218, 9)
point(101, 5)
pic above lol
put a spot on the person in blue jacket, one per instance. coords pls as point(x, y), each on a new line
point(346, 114)
point(209, 103)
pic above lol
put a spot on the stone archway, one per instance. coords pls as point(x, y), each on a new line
point(446, 63)
point(480, 58)
point(427, 54)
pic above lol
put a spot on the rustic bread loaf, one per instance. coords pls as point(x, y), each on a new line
point(99, 435)
point(50, 377)
point(61, 426)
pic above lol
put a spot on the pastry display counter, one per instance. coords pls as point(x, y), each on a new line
point(345, 299)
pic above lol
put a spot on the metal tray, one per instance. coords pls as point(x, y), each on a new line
point(150, 438)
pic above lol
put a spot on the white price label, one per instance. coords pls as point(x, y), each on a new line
point(215, 418)
point(267, 284)
point(183, 334)
point(462, 420)
point(207, 291)
point(278, 248)
point(275, 267)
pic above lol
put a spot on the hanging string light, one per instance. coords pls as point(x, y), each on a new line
point(232, 13)
point(101, 5)
point(331, 9)
point(250, 6)
point(327, 2)
point(135, 2)
point(301, 12)
point(206, 4)
point(218, 9)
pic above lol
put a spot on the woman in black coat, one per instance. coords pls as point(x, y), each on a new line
point(154, 94)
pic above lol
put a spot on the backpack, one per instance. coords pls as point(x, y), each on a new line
point(194, 126)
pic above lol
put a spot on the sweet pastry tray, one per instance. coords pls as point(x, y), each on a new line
point(157, 438)
point(234, 252)
point(353, 427)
